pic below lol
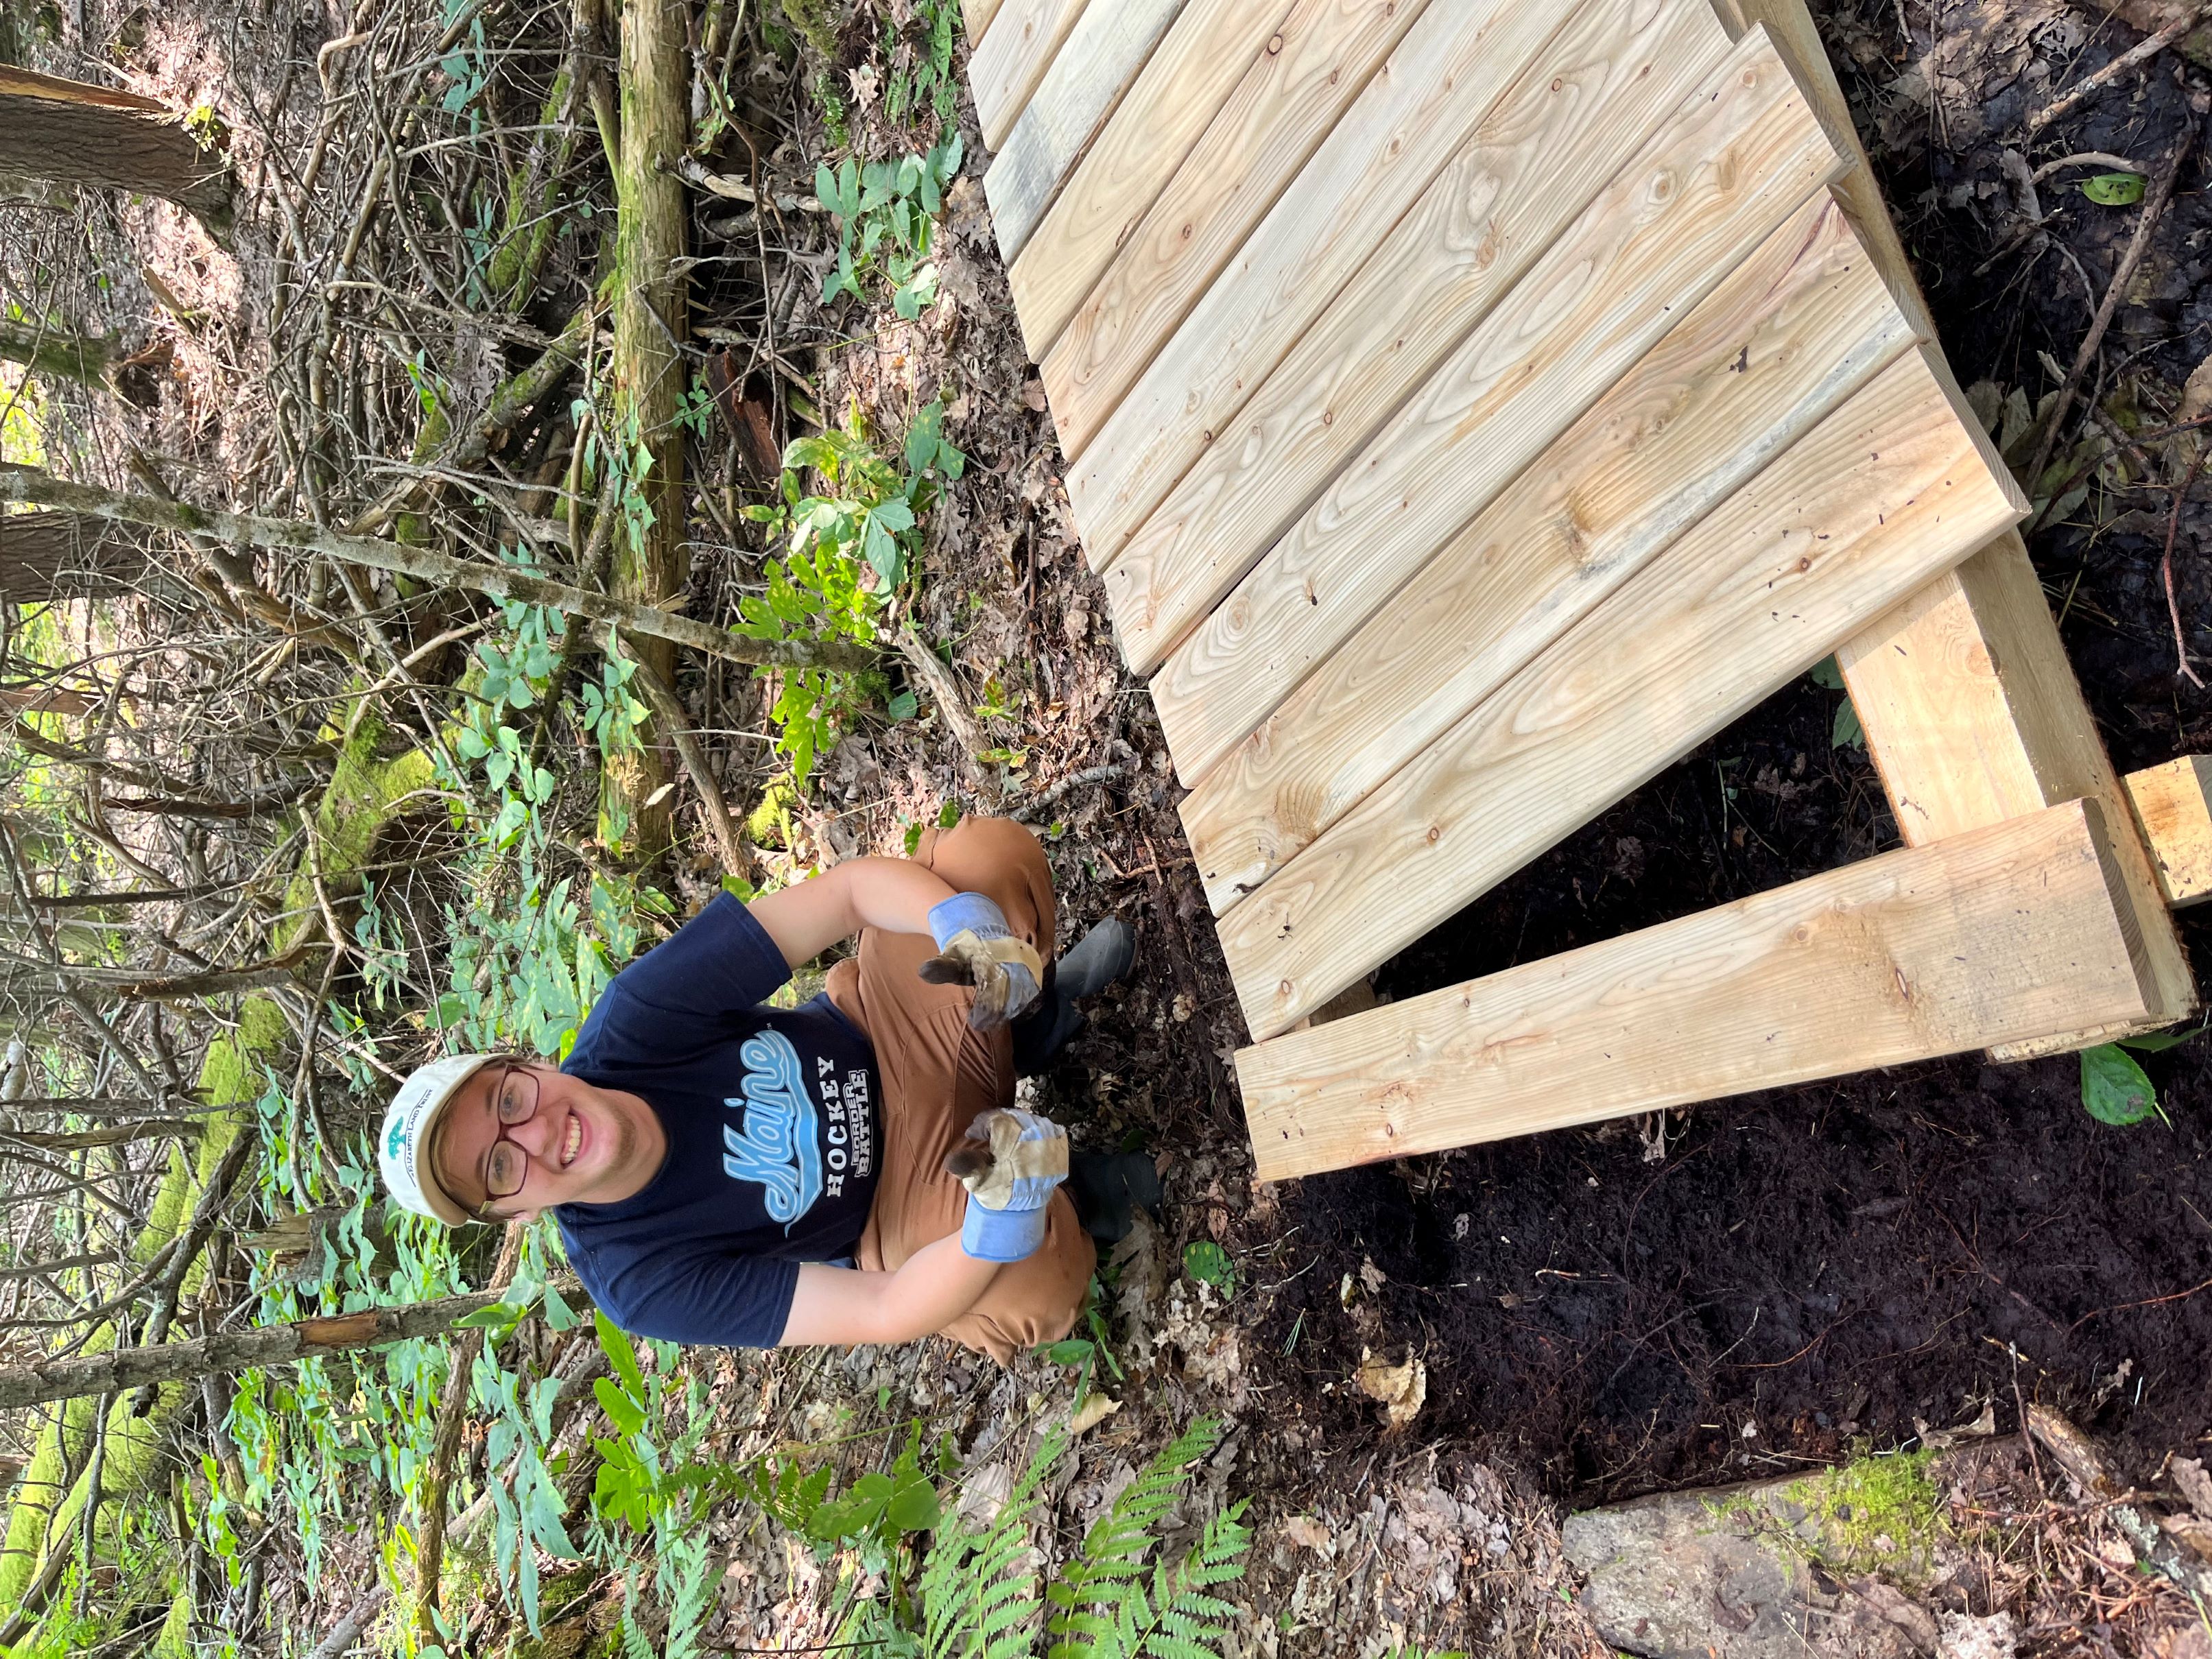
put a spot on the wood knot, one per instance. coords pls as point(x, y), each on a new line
point(1274, 45)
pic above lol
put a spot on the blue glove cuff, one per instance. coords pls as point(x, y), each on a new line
point(967, 913)
point(1002, 1234)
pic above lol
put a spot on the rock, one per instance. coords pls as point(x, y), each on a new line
point(1966, 1637)
point(1733, 1574)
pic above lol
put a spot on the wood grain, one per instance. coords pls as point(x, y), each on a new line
point(1790, 335)
point(1287, 103)
point(1972, 715)
point(1972, 940)
point(1016, 52)
point(1862, 510)
point(976, 14)
point(2173, 805)
point(1743, 155)
point(1102, 57)
point(2012, 733)
point(1442, 79)
point(1591, 98)
point(1211, 47)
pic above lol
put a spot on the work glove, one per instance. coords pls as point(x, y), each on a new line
point(977, 948)
point(1010, 1163)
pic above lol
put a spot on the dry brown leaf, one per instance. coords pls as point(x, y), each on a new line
point(2196, 1484)
point(1402, 1389)
point(1091, 1413)
point(1306, 1532)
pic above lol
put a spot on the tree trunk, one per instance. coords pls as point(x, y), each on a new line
point(648, 376)
point(51, 352)
point(75, 133)
point(122, 1369)
point(64, 555)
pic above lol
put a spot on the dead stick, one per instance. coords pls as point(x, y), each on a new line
point(929, 668)
point(2087, 87)
point(668, 708)
point(2161, 193)
point(2166, 563)
point(23, 483)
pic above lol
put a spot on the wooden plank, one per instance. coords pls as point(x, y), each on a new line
point(1790, 335)
point(1972, 715)
point(1019, 47)
point(1442, 79)
point(1274, 123)
point(1743, 155)
point(977, 15)
point(1592, 97)
point(2173, 806)
point(1859, 512)
point(1104, 54)
point(1966, 942)
point(1211, 47)
point(2009, 730)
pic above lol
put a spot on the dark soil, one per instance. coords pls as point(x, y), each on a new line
point(1814, 1269)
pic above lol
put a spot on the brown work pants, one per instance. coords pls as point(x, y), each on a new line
point(938, 1075)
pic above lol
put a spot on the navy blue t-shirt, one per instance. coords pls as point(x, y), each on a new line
point(773, 1137)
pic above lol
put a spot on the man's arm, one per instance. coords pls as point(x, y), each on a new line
point(808, 917)
point(841, 1306)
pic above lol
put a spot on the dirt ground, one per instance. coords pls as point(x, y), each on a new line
point(1746, 1288)
point(1750, 1287)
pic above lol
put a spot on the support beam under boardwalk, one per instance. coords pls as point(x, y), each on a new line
point(2002, 934)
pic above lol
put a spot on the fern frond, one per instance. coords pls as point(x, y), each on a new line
point(973, 1604)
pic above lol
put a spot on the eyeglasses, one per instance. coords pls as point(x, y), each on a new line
point(506, 1166)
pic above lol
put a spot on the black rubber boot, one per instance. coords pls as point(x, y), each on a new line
point(1107, 1187)
point(1095, 961)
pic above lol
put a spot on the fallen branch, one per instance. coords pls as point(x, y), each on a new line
point(1044, 801)
point(929, 668)
point(119, 1369)
point(2161, 193)
point(2089, 85)
point(23, 483)
point(675, 722)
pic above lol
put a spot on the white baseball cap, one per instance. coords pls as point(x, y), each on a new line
point(403, 1145)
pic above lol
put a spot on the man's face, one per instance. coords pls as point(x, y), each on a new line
point(576, 1144)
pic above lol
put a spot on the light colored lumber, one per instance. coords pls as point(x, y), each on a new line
point(1285, 105)
point(1211, 48)
point(1972, 715)
point(1797, 329)
point(1103, 55)
point(976, 14)
point(1442, 79)
point(1015, 53)
point(2011, 732)
point(2173, 806)
point(1975, 939)
point(1592, 97)
point(1886, 491)
point(1742, 157)
point(1790, 26)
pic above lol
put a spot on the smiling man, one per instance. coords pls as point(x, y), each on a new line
point(727, 1172)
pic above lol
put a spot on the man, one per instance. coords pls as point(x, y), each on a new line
point(727, 1173)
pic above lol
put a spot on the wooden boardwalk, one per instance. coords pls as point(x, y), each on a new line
point(1471, 407)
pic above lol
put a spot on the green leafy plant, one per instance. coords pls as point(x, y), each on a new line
point(1844, 731)
point(1208, 1263)
point(921, 78)
point(1085, 1353)
point(2115, 1088)
point(886, 214)
point(1116, 1598)
point(849, 546)
point(2114, 189)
